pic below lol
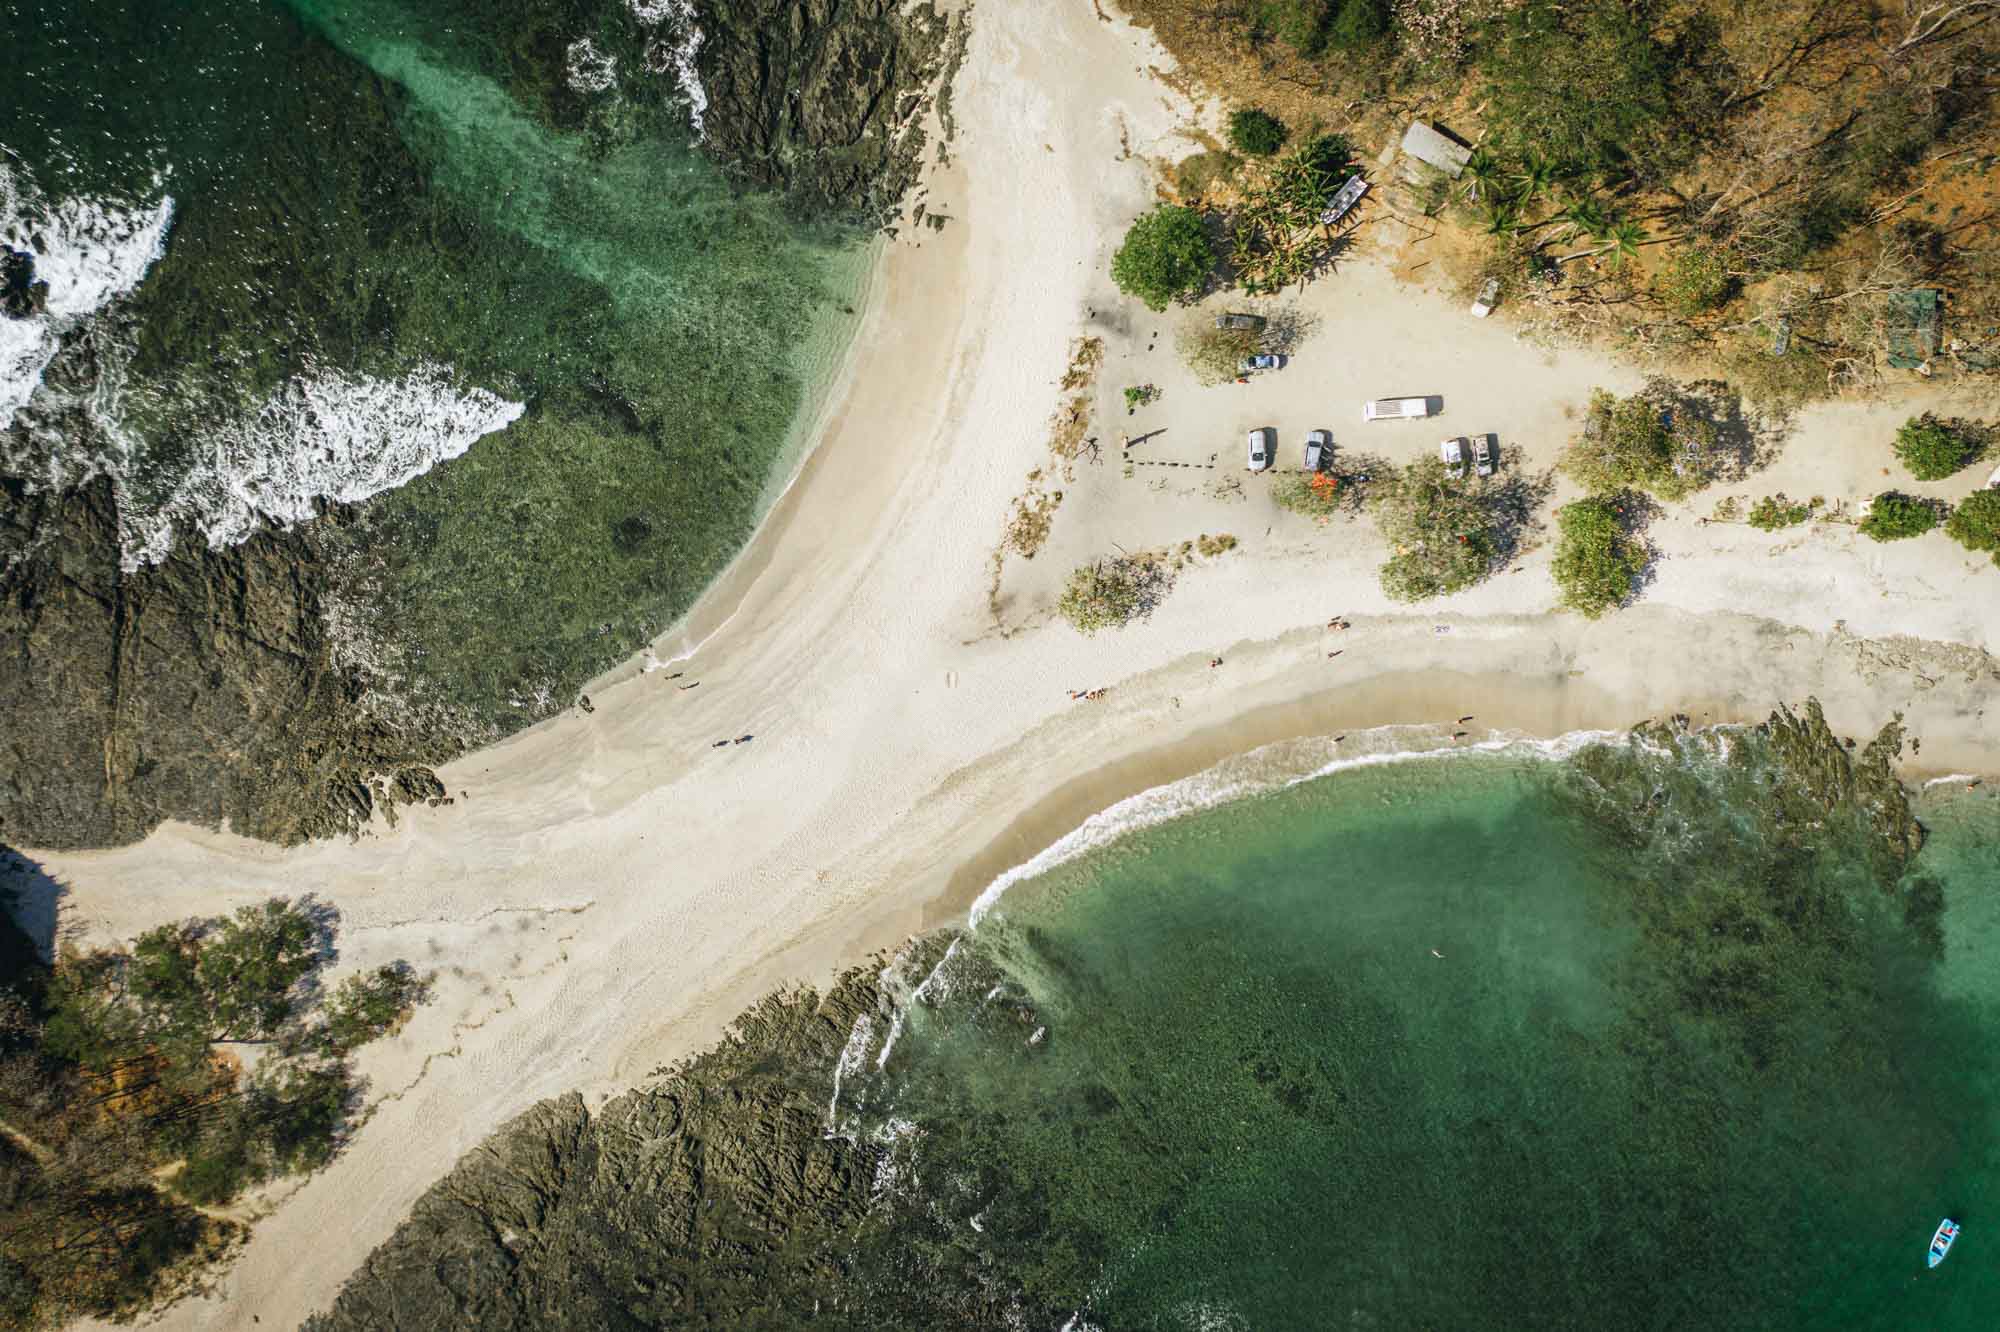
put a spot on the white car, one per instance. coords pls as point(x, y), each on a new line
point(1453, 453)
point(1319, 450)
point(1485, 454)
point(1396, 409)
point(1263, 447)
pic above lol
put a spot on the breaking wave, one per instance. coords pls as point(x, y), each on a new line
point(1270, 768)
point(86, 253)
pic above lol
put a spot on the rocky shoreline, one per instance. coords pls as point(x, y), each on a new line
point(214, 685)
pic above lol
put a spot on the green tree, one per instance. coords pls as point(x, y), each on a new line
point(1694, 280)
point(1592, 86)
point(1897, 517)
point(1595, 561)
point(1933, 450)
point(1643, 442)
point(1319, 495)
point(1358, 24)
point(1165, 257)
point(1975, 523)
point(1258, 133)
point(369, 1005)
point(1301, 24)
point(1439, 530)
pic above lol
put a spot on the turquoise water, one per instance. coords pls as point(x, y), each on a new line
point(369, 187)
point(1479, 1042)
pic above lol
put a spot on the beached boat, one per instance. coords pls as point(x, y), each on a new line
point(1941, 1242)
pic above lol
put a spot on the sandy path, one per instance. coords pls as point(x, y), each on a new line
point(611, 889)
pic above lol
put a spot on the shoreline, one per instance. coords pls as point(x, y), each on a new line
point(613, 888)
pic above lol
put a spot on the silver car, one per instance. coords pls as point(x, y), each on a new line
point(1263, 447)
point(1319, 450)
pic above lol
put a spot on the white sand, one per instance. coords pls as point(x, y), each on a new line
point(609, 889)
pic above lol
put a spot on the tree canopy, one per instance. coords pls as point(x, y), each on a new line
point(1165, 257)
point(1644, 442)
point(120, 1068)
point(1933, 449)
point(1595, 560)
point(1897, 517)
point(1258, 133)
point(1439, 529)
point(1975, 523)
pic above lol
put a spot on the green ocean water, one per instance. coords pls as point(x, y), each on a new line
point(1481, 1042)
point(365, 187)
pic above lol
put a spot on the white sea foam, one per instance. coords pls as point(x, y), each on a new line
point(326, 435)
point(1952, 779)
point(89, 251)
point(673, 50)
point(590, 69)
point(1240, 777)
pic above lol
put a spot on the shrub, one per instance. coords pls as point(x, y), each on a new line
point(1595, 561)
point(1258, 133)
point(1358, 24)
point(1439, 532)
point(1196, 176)
point(1108, 593)
point(1214, 353)
point(1896, 517)
point(1774, 512)
point(1165, 257)
point(1694, 280)
point(1137, 396)
point(1975, 523)
point(1316, 496)
point(1933, 450)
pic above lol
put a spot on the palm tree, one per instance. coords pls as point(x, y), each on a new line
point(1585, 217)
point(1501, 217)
point(1624, 240)
point(1484, 170)
point(1535, 176)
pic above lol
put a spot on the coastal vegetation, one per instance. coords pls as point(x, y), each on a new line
point(144, 1087)
point(1596, 559)
point(1276, 233)
point(1165, 257)
point(1932, 449)
point(1775, 512)
point(1975, 523)
point(1793, 194)
point(1215, 355)
point(1441, 530)
point(1646, 441)
point(1893, 516)
point(1106, 594)
point(1316, 495)
point(1258, 133)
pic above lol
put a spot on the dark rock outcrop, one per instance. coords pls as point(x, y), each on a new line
point(823, 98)
point(703, 1201)
point(201, 688)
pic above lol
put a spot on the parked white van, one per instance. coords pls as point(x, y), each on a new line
point(1396, 409)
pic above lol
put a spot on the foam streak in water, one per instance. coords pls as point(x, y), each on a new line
point(1220, 785)
point(90, 252)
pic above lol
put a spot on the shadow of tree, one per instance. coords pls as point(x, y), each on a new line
point(32, 897)
point(1746, 440)
point(1513, 499)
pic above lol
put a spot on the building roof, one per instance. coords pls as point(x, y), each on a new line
point(1427, 145)
point(1911, 321)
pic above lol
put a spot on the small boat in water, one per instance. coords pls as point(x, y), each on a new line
point(1947, 1231)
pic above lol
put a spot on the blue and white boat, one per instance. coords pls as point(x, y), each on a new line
point(1941, 1242)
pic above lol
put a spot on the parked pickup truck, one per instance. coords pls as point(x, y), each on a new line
point(1396, 409)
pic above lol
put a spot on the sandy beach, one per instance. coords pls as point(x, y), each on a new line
point(609, 889)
